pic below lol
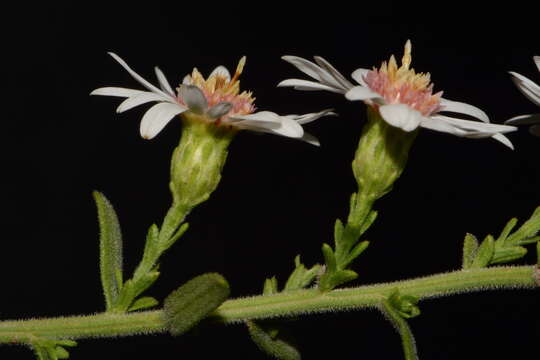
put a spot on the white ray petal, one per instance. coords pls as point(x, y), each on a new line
point(155, 119)
point(136, 76)
point(463, 108)
point(442, 126)
point(537, 62)
point(345, 84)
point(305, 66)
point(528, 87)
point(358, 76)
point(194, 98)
point(524, 119)
point(222, 71)
point(116, 91)
point(401, 116)
point(504, 140)
point(307, 118)
point(307, 85)
point(140, 99)
point(361, 93)
point(310, 139)
point(474, 127)
point(261, 116)
point(163, 83)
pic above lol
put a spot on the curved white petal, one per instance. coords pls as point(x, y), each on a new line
point(155, 119)
point(267, 121)
point(361, 93)
point(194, 98)
point(401, 116)
point(163, 83)
point(116, 91)
point(345, 84)
point(442, 126)
point(307, 118)
point(475, 128)
point(222, 71)
point(305, 66)
point(536, 60)
point(310, 139)
point(527, 87)
point(136, 76)
point(463, 108)
point(504, 140)
point(139, 99)
point(308, 85)
point(524, 119)
point(359, 74)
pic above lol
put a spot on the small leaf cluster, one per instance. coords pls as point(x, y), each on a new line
point(509, 246)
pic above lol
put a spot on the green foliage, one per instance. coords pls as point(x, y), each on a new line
point(143, 303)
point(470, 246)
point(110, 249)
point(508, 246)
point(272, 342)
point(48, 349)
point(405, 305)
point(193, 301)
point(270, 286)
point(301, 276)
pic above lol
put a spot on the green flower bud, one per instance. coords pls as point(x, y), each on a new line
point(381, 156)
point(198, 160)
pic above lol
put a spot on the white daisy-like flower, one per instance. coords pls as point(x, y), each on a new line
point(531, 90)
point(403, 98)
point(217, 100)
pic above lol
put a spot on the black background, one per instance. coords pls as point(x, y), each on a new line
point(278, 197)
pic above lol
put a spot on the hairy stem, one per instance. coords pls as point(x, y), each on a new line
point(292, 303)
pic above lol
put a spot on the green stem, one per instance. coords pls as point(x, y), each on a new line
point(407, 338)
point(292, 303)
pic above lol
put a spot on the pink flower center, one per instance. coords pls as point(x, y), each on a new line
point(403, 86)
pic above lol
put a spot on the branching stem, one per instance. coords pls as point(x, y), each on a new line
point(287, 304)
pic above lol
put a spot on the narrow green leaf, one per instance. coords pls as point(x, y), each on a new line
point(183, 228)
point(150, 246)
point(274, 346)
point(355, 252)
point(531, 240)
point(110, 248)
point(270, 286)
point(338, 231)
point(143, 303)
point(372, 216)
point(342, 276)
point(506, 231)
point(484, 254)
point(407, 338)
point(193, 301)
point(329, 258)
point(144, 282)
point(529, 229)
point(470, 246)
point(507, 254)
point(301, 277)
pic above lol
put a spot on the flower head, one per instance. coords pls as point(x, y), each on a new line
point(216, 100)
point(531, 90)
point(403, 97)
